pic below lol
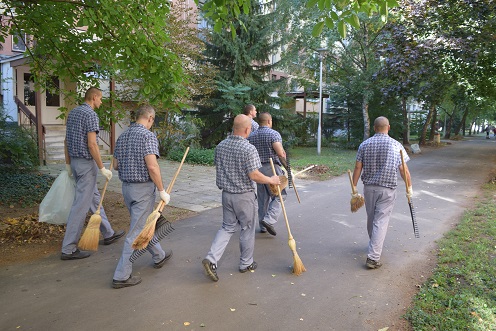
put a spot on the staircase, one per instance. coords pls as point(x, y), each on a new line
point(54, 145)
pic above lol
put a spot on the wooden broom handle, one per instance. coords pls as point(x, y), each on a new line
point(304, 170)
point(105, 186)
point(161, 205)
point(407, 184)
point(351, 182)
point(280, 198)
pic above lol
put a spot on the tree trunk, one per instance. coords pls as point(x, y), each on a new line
point(447, 135)
point(366, 118)
point(428, 120)
point(462, 122)
point(406, 124)
point(433, 124)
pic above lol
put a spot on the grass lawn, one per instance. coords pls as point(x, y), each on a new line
point(334, 160)
point(461, 294)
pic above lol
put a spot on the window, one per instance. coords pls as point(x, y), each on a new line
point(52, 96)
point(28, 90)
point(19, 42)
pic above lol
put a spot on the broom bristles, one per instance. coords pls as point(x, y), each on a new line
point(357, 202)
point(91, 236)
point(148, 231)
point(298, 267)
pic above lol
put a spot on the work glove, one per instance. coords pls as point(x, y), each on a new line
point(409, 193)
point(68, 169)
point(164, 196)
point(106, 173)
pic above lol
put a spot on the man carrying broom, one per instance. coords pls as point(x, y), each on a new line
point(378, 160)
point(268, 143)
point(82, 158)
point(237, 164)
point(135, 158)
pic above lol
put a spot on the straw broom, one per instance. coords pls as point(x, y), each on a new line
point(91, 236)
point(148, 231)
point(298, 266)
point(357, 200)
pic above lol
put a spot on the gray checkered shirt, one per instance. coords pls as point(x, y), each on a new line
point(263, 139)
point(380, 157)
point(80, 121)
point(130, 150)
point(234, 159)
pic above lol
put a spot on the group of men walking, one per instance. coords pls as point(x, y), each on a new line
point(241, 160)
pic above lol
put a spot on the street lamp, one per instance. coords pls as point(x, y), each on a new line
point(321, 52)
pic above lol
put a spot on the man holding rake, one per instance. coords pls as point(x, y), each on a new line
point(82, 157)
point(237, 163)
point(135, 158)
point(378, 161)
point(268, 143)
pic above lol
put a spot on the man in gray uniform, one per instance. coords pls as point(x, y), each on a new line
point(251, 112)
point(135, 158)
point(268, 143)
point(82, 157)
point(237, 164)
point(378, 160)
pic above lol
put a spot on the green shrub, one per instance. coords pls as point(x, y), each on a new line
point(18, 148)
point(24, 189)
point(195, 156)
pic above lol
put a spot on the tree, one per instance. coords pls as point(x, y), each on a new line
point(244, 67)
point(333, 13)
point(128, 39)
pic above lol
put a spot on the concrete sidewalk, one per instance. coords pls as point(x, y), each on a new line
point(194, 188)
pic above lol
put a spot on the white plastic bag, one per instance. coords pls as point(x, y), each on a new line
point(57, 204)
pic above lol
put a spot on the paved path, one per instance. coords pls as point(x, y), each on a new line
point(336, 293)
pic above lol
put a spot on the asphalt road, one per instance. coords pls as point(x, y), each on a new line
point(336, 292)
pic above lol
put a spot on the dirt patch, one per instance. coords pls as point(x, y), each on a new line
point(24, 239)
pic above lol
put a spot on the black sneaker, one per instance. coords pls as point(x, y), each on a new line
point(112, 239)
point(131, 281)
point(251, 267)
point(269, 227)
point(371, 264)
point(77, 255)
point(210, 270)
point(160, 264)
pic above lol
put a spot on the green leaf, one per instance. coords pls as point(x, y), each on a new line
point(311, 3)
point(329, 22)
point(147, 90)
point(246, 7)
point(317, 29)
point(342, 29)
point(355, 22)
point(218, 26)
point(334, 16)
point(233, 31)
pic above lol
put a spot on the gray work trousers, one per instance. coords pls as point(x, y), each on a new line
point(140, 200)
point(87, 198)
point(269, 207)
point(379, 203)
point(239, 211)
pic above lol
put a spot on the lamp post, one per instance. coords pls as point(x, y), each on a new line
point(319, 129)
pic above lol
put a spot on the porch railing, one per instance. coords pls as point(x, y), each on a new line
point(27, 118)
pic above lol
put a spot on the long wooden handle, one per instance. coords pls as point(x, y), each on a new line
point(171, 184)
point(280, 198)
point(105, 186)
point(407, 183)
point(351, 182)
point(296, 191)
point(304, 170)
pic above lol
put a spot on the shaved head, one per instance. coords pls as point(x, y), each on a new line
point(264, 118)
point(241, 123)
point(381, 124)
